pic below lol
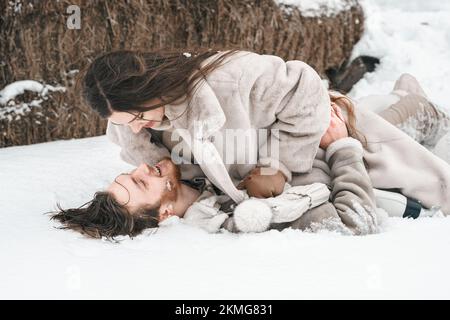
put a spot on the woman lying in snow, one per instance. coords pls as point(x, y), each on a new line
point(149, 195)
point(148, 97)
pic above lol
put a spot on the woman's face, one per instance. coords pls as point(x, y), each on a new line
point(138, 120)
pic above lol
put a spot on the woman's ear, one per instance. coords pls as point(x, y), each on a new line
point(165, 211)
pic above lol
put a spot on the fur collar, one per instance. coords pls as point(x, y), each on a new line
point(202, 116)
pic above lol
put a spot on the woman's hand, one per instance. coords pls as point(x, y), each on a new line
point(337, 129)
point(263, 183)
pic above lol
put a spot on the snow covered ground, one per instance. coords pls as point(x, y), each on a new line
point(410, 36)
point(408, 260)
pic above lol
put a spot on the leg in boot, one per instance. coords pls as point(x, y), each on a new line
point(415, 114)
point(408, 84)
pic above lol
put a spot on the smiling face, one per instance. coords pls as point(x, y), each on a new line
point(147, 186)
point(138, 120)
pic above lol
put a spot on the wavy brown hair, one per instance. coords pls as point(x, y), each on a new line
point(103, 216)
point(347, 105)
point(126, 80)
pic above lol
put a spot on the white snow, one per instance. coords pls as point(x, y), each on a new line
point(411, 36)
point(316, 8)
point(8, 107)
point(409, 259)
point(19, 87)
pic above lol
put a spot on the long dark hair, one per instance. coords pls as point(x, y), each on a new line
point(103, 216)
point(125, 80)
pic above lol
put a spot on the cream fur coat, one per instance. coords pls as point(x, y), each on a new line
point(249, 91)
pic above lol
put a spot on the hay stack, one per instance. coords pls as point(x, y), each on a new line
point(36, 44)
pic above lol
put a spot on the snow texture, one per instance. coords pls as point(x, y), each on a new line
point(9, 108)
point(408, 36)
point(317, 8)
point(407, 260)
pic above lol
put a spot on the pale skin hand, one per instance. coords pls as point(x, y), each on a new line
point(337, 129)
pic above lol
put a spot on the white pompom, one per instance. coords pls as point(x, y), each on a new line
point(252, 216)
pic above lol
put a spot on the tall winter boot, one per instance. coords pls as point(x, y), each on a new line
point(397, 205)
